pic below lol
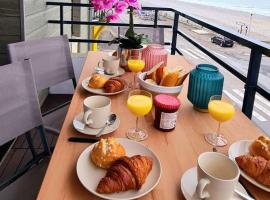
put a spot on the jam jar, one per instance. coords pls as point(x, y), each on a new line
point(166, 110)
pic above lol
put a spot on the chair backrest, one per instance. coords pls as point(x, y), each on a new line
point(50, 59)
point(19, 107)
point(156, 35)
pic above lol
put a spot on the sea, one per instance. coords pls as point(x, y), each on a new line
point(261, 7)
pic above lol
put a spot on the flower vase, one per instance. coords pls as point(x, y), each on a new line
point(204, 81)
point(125, 53)
point(154, 54)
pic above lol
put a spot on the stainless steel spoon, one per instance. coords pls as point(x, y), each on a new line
point(243, 196)
point(109, 122)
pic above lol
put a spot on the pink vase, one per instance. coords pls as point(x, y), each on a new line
point(154, 54)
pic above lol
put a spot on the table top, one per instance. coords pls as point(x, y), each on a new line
point(177, 150)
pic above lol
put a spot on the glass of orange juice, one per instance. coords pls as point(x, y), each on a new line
point(135, 64)
point(140, 104)
point(222, 111)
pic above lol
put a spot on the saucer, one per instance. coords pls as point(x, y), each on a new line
point(189, 183)
point(119, 72)
point(78, 123)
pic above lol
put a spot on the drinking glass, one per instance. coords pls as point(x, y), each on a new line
point(135, 64)
point(221, 110)
point(139, 103)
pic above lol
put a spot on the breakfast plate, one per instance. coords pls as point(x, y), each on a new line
point(101, 91)
point(90, 175)
point(78, 124)
point(189, 183)
point(242, 148)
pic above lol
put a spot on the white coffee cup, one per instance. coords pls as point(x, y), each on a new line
point(217, 176)
point(96, 111)
point(110, 64)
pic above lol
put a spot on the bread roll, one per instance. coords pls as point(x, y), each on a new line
point(182, 76)
point(97, 81)
point(151, 76)
point(165, 76)
point(260, 147)
point(156, 76)
point(106, 151)
point(159, 74)
point(153, 69)
point(170, 80)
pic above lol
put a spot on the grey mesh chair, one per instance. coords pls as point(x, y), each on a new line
point(19, 111)
point(51, 63)
point(156, 35)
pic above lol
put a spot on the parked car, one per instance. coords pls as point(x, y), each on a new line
point(222, 41)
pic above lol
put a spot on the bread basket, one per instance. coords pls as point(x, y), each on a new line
point(156, 89)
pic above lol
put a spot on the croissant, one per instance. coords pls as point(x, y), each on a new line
point(113, 85)
point(257, 167)
point(127, 173)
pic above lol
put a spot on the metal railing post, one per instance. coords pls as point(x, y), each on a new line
point(156, 18)
point(61, 20)
point(175, 29)
point(252, 80)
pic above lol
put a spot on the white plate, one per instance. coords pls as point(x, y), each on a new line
point(241, 148)
point(101, 91)
point(90, 175)
point(189, 183)
point(78, 122)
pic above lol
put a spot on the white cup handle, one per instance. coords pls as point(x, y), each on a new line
point(200, 189)
point(100, 62)
point(86, 116)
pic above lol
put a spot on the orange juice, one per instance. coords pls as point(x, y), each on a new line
point(139, 105)
point(136, 65)
point(220, 110)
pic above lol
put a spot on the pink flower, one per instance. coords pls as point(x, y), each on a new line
point(134, 3)
point(120, 7)
point(98, 4)
point(112, 17)
point(103, 4)
point(108, 4)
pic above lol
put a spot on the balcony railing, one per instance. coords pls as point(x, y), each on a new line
point(257, 47)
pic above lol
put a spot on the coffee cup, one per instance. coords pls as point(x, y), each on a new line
point(96, 111)
point(217, 176)
point(110, 64)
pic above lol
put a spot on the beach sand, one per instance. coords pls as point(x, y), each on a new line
point(260, 25)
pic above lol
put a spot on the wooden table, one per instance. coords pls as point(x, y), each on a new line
point(177, 150)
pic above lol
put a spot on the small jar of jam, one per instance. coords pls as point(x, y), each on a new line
point(166, 110)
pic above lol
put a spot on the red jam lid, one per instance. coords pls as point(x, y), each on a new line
point(167, 102)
